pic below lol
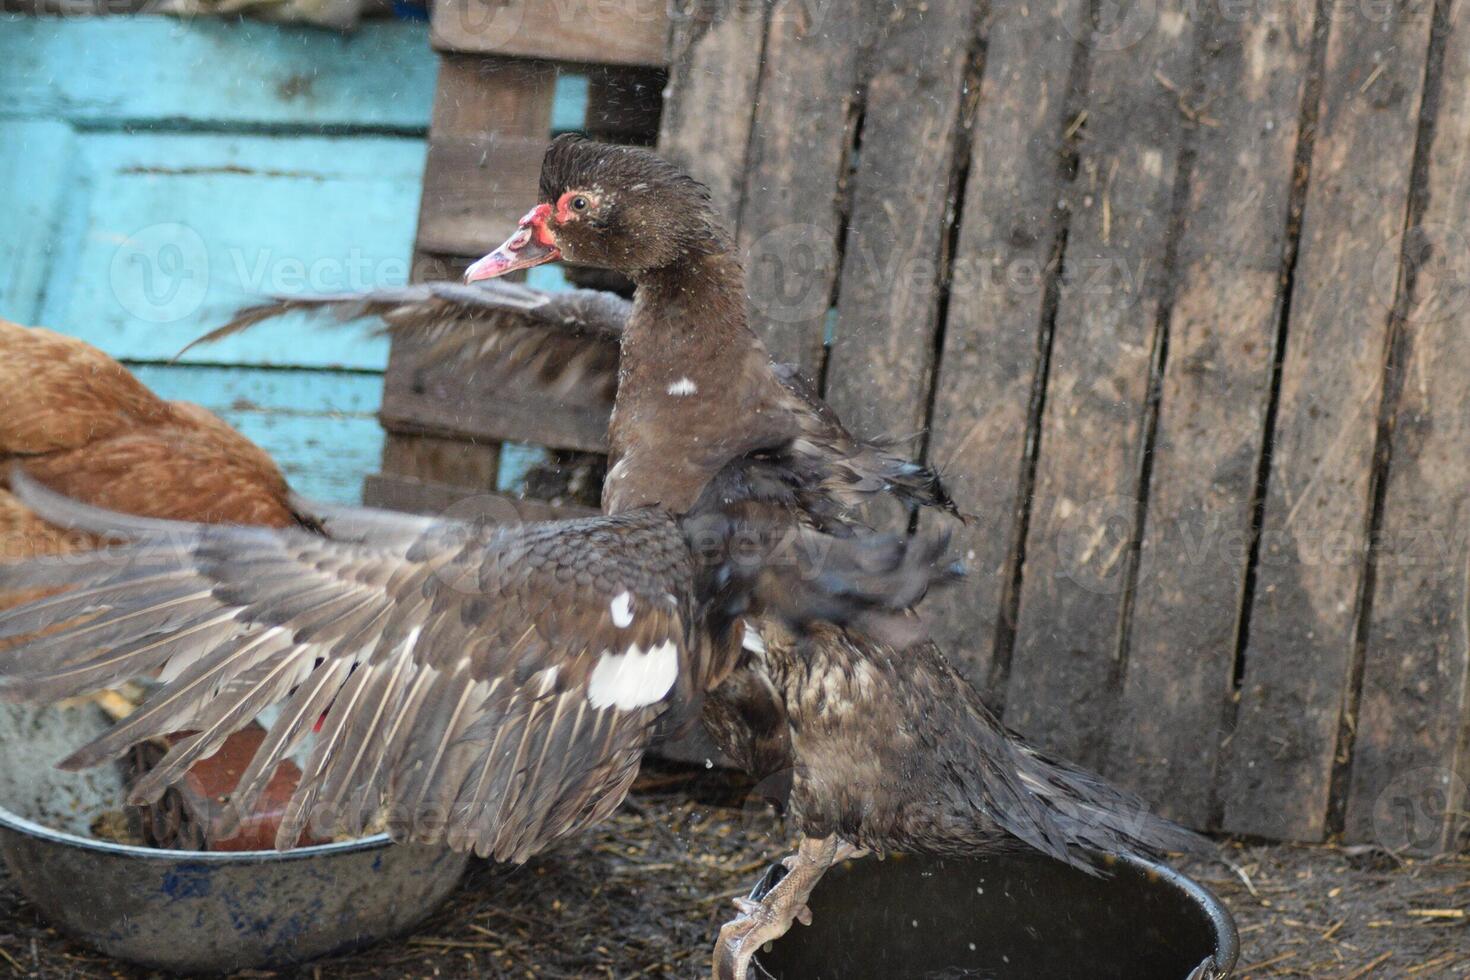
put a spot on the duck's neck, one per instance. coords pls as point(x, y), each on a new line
point(694, 384)
point(690, 314)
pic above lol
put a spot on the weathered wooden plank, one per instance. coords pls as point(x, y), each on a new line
point(430, 265)
point(428, 497)
point(476, 188)
point(714, 67)
point(452, 461)
point(319, 394)
point(1410, 771)
point(1064, 669)
point(791, 211)
point(492, 118)
point(476, 96)
point(1303, 624)
point(319, 426)
point(992, 357)
point(450, 401)
point(882, 350)
point(110, 72)
point(35, 168)
point(165, 236)
point(1212, 413)
point(618, 32)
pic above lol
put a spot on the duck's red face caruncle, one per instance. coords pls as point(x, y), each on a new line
point(532, 244)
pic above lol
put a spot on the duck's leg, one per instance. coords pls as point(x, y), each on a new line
point(770, 918)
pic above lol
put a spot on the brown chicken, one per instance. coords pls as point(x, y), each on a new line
point(84, 426)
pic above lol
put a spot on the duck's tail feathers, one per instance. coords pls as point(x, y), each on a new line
point(1078, 817)
point(1097, 816)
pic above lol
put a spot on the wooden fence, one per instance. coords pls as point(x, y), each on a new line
point(1176, 297)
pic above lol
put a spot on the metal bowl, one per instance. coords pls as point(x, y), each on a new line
point(194, 911)
point(1009, 915)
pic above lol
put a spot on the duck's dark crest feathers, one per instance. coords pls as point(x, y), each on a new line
point(649, 215)
point(574, 162)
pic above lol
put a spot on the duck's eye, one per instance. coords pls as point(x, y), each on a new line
point(580, 203)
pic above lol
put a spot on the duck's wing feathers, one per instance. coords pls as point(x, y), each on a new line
point(567, 339)
point(489, 687)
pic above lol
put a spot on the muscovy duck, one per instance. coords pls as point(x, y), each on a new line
point(880, 743)
point(867, 735)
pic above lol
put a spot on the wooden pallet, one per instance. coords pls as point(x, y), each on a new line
point(1155, 296)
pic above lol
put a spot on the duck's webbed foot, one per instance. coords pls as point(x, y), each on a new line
point(770, 918)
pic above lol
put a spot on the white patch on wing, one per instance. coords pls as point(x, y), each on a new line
point(548, 678)
point(634, 678)
point(752, 640)
point(622, 610)
point(684, 386)
point(1034, 785)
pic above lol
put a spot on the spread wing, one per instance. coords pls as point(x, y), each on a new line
point(568, 339)
point(490, 688)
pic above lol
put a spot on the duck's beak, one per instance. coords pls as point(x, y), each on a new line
point(532, 244)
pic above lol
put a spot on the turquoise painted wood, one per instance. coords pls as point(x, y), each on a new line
point(320, 427)
point(35, 174)
point(115, 72)
point(165, 236)
point(156, 174)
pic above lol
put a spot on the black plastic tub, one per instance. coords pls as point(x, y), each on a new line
point(1017, 915)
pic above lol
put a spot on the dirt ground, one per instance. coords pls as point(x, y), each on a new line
point(643, 896)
